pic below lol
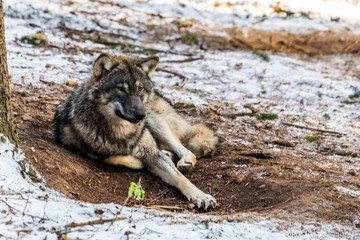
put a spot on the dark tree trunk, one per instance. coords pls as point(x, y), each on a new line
point(7, 123)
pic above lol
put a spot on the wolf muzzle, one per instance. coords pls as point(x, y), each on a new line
point(133, 111)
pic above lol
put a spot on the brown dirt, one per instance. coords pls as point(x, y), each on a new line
point(255, 180)
point(335, 40)
point(316, 42)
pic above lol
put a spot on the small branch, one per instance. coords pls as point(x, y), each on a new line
point(185, 79)
point(351, 46)
point(95, 222)
point(27, 202)
point(282, 142)
point(11, 194)
point(184, 60)
point(113, 221)
point(235, 115)
point(160, 207)
point(162, 194)
point(214, 111)
point(311, 128)
point(45, 208)
point(12, 208)
point(105, 42)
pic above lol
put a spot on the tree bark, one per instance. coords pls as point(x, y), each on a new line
point(7, 123)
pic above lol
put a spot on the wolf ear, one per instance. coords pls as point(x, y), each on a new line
point(103, 65)
point(149, 65)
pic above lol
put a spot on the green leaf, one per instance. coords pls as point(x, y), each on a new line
point(136, 191)
point(131, 189)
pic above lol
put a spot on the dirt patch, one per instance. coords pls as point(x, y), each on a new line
point(334, 40)
point(255, 179)
point(315, 43)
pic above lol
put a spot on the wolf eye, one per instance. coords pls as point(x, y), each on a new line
point(140, 88)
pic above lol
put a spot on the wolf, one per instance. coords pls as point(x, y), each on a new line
point(117, 117)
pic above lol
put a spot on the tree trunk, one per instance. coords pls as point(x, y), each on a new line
point(7, 123)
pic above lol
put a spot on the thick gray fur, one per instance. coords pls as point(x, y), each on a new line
point(118, 118)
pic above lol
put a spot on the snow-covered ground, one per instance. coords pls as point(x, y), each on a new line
point(299, 88)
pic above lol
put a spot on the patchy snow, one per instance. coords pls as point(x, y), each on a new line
point(10, 178)
point(30, 211)
point(299, 88)
point(346, 10)
point(350, 192)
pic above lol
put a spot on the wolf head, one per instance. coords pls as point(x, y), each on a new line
point(120, 86)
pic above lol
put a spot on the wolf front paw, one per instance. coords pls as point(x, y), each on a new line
point(186, 163)
point(205, 201)
point(184, 166)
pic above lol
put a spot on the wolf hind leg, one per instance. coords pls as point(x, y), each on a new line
point(201, 140)
point(125, 161)
point(167, 139)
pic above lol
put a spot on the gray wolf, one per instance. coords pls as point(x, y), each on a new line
point(117, 117)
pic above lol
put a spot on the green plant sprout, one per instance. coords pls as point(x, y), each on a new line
point(136, 191)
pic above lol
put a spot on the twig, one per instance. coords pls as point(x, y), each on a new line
point(185, 79)
point(184, 60)
point(165, 207)
point(6, 194)
point(49, 98)
point(45, 208)
point(163, 193)
point(282, 142)
point(86, 35)
point(12, 208)
point(95, 222)
point(235, 115)
point(76, 49)
point(170, 71)
point(23, 231)
point(351, 45)
point(27, 201)
point(46, 82)
point(311, 128)
point(214, 110)
point(112, 222)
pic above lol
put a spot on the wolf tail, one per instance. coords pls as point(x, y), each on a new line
point(201, 140)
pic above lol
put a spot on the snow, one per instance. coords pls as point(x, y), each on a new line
point(30, 211)
point(303, 88)
point(346, 10)
point(350, 192)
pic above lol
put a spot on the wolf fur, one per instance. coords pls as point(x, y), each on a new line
point(118, 118)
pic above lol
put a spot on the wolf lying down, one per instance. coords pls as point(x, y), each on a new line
point(118, 118)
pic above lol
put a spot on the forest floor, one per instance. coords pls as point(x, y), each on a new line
point(300, 167)
point(292, 178)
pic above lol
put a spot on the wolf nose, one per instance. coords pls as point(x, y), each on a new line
point(140, 116)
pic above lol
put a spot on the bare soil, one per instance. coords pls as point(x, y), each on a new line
point(257, 180)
